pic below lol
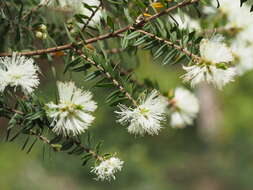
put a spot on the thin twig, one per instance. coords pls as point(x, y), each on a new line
point(48, 142)
point(110, 77)
point(104, 36)
point(91, 16)
point(178, 47)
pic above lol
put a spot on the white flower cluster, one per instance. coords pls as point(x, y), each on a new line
point(18, 71)
point(76, 6)
point(106, 169)
point(184, 108)
point(186, 22)
point(71, 115)
point(150, 115)
point(213, 67)
point(240, 20)
point(145, 118)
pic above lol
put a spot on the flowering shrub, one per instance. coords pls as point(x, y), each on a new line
point(210, 41)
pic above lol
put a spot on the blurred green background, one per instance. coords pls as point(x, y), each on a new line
point(194, 158)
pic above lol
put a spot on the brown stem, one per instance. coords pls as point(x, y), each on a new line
point(104, 36)
point(47, 141)
point(53, 146)
point(109, 76)
point(178, 47)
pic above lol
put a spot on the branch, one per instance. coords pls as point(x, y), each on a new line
point(47, 141)
point(109, 76)
point(178, 47)
point(104, 36)
point(53, 146)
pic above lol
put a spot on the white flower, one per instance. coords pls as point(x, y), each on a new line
point(71, 116)
point(212, 68)
point(18, 71)
point(237, 16)
point(211, 74)
point(145, 118)
point(215, 51)
point(187, 22)
point(184, 108)
point(43, 2)
point(77, 7)
point(106, 169)
point(245, 35)
point(61, 3)
point(82, 10)
point(244, 56)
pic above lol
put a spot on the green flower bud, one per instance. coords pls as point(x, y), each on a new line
point(44, 36)
point(39, 35)
point(43, 27)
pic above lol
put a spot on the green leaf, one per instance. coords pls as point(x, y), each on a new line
point(110, 22)
point(67, 145)
point(73, 63)
point(92, 75)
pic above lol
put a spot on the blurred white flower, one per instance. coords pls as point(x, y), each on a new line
point(219, 77)
point(186, 22)
point(72, 115)
point(45, 2)
point(245, 35)
point(213, 67)
point(184, 107)
point(82, 10)
point(61, 3)
point(77, 7)
point(243, 54)
point(18, 71)
point(215, 51)
point(106, 169)
point(238, 17)
point(147, 117)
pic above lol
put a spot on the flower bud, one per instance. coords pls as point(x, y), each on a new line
point(43, 27)
point(39, 35)
point(44, 36)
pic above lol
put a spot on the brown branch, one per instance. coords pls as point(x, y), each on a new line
point(110, 77)
point(54, 147)
point(105, 36)
point(178, 47)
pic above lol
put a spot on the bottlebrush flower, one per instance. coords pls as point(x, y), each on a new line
point(106, 169)
point(184, 108)
point(145, 118)
point(213, 66)
point(72, 115)
point(18, 71)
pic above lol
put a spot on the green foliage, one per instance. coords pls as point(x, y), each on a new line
point(125, 27)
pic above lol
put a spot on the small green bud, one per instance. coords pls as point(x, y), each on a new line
point(43, 27)
point(56, 147)
point(44, 36)
point(73, 31)
point(39, 35)
point(221, 66)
